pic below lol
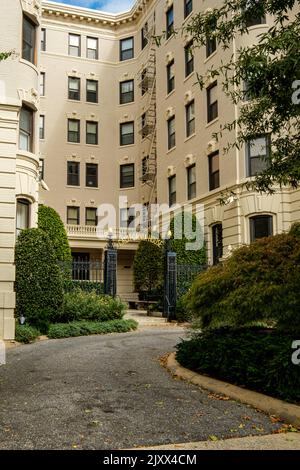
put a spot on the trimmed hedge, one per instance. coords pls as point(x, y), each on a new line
point(50, 222)
point(80, 305)
point(84, 328)
point(26, 333)
point(259, 360)
point(259, 282)
point(39, 287)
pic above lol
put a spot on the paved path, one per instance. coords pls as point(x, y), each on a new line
point(108, 392)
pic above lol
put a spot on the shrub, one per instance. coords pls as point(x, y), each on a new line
point(26, 333)
point(259, 282)
point(80, 305)
point(194, 233)
point(50, 222)
point(39, 289)
point(83, 328)
point(86, 286)
point(148, 269)
point(255, 358)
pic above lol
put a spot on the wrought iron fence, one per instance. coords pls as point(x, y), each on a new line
point(87, 275)
point(186, 273)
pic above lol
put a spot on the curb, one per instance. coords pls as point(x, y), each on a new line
point(272, 406)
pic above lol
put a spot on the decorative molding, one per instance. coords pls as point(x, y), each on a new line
point(169, 57)
point(33, 8)
point(188, 97)
point(189, 160)
point(168, 5)
point(171, 170)
point(170, 112)
point(31, 97)
point(211, 147)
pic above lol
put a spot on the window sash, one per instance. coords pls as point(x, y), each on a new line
point(126, 48)
point(172, 190)
point(191, 177)
point(92, 48)
point(190, 119)
point(26, 130)
point(92, 133)
point(189, 59)
point(214, 171)
point(73, 174)
point(217, 236)
point(73, 130)
point(43, 39)
point(126, 92)
point(74, 45)
point(42, 127)
point(144, 35)
point(261, 226)
point(171, 133)
point(42, 83)
point(22, 216)
point(127, 133)
point(73, 215)
point(258, 153)
point(91, 175)
point(91, 216)
point(171, 76)
point(170, 22)
point(212, 103)
point(74, 88)
point(28, 40)
point(188, 8)
point(127, 176)
point(92, 91)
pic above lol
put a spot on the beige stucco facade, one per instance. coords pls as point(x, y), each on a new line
point(18, 171)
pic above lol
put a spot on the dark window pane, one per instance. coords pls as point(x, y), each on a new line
point(214, 171)
point(172, 190)
point(126, 49)
point(126, 91)
point(170, 22)
point(127, 175)
point(191, 177)
point(92, 175)
point(217, 236)
point(73, 169)
point(92, 133)
point(92, 91)
point(91, 216)
point(171, 76)
point(188, 7)
point(72, 215)
point(74, 88)
point(261, 226)
point(28, 40)
point(73, 130)
point(258, 153)
point(212, 103)
point(189, 59)
point(127, 133)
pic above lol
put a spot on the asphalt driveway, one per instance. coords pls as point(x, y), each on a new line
point(110, 392)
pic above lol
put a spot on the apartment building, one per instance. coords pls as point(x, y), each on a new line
point(119, 117)
point(19, 141)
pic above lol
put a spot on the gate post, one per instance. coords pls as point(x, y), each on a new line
point(170, 282)
point(110, 268)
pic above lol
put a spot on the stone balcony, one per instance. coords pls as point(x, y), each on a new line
point(89, 232)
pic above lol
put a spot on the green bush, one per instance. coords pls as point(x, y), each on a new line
point(80, 305)
point(26, 333)
point(194, 233)
point(50, 222)
point(183, 314)
point(148, 269)
point(86, 286)
point(258, 359)
point(83, 328)
point(259, 282)
point(39, 287)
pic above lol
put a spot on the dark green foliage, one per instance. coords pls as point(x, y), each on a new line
point(86, 286)
point(50, 221)
point(39, 287)
point(191, 234)
point(83, 328)
point(26, 333)
point(148, 268)
point(295, 229)
point(183, 314)
point(259, 282)
point(271, 68)
point(80, 305)
point(259, 360)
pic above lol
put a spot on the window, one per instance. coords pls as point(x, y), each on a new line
point(126, 92)
point(212, 102)
point(211, 42)
point(191, 181)
point(42, 84)
point(261, 226)
point(42, 127)
point(188, 7)
point(145, 165)
point(74, 45)
point(171, 76)
point(22, 219)
point(171, 133)
point(73, 215)
point(91, 175)
point(127, 217)
point(29, 40)
point(190, 118)
point(258, 153)
point(92, 48)
point(144, 35)
point(253, 19)
point(73, 173)
point(144, 126)
point(170, 22)
point(91, 216)
point(172, 190)
point(73, 130)
point(43, 39)
point(127, 176)
point(214, 171)
point(127, 133)
point(217, 243)
point(92, 133)
point(41, 169)
point(26, 129)
point(144, 82)
point(126, 49)
point(189, 59)
point(74, 88)
point(92, 91)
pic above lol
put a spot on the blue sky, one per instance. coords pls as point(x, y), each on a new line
point(111, 6)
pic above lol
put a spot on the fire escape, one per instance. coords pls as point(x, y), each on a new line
point(147, 128)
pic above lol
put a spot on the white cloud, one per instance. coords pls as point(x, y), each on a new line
point(110, 6)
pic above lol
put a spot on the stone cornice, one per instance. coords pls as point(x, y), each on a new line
point(94, 17)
